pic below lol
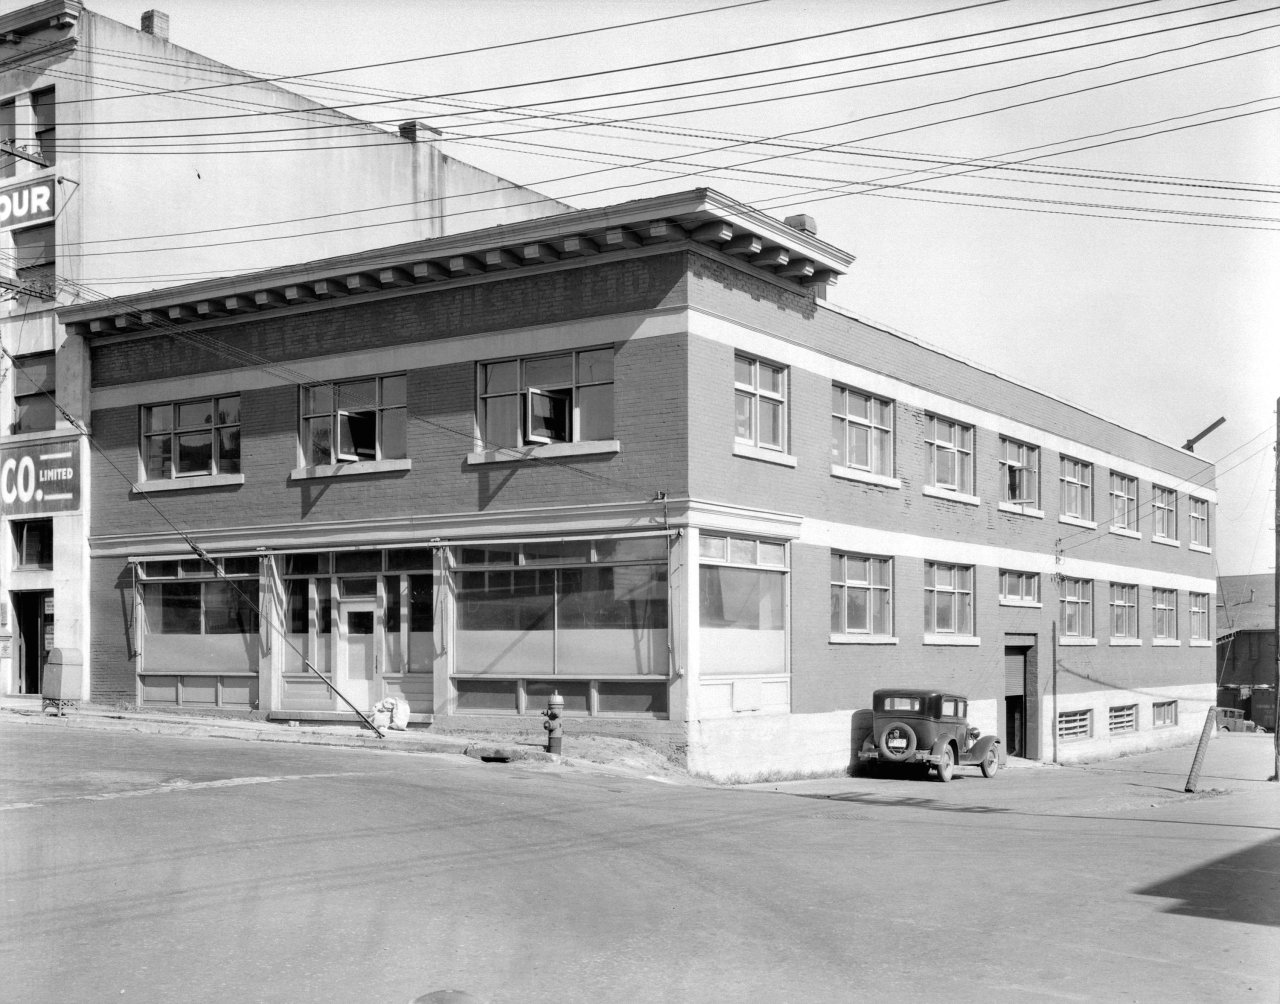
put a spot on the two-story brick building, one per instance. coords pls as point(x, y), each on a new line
point(630, 455)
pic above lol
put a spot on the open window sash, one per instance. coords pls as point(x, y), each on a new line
point(548, 416)
point(357, 436)
point(1021, 485)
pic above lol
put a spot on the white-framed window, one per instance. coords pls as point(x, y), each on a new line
point(1164, 713)
point(1124, 610)
point(1198, 610)
point(186, 439)
point(1019, 587)
point(1077, 488)
point(35, 387)
point(1019, 473)
point(1075, 607)
point(1123, 718)
point(760, 403)
point(950, 454)
point(861, 431)
point(354, 421)
point(537, 400)
point(1124, 501)
point(861, 594)
point(1075, 724)
point(1164, 512)
point(190, 597)
point(1198, 512)
point(1164, 613)
point(948, 598)
point(742, 597)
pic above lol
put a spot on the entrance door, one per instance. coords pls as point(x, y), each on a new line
point(1014, 735)
point(359, 661)
point(33, 612)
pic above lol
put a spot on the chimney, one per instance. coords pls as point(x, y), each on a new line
point(409, 131)
point(156, 22)
point(804, 223)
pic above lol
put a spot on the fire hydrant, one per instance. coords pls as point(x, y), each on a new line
point(553, 725)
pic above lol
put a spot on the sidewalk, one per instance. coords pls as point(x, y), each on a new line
point(596, 752)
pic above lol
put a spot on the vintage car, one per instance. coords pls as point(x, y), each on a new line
point(927, 727)
point(1233, 720)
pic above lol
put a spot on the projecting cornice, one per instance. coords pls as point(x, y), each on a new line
point(699, 218)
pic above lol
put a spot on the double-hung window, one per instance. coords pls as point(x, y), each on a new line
point(35, 259)
point(1164, 614)
point(539, 400)
point(1124, 610)
point(1199, 519)
point(950, 447)
point(948, 599)
point(1019, 588)
point(861, 595)
point(190, 438)
point(354, 421)
point(1075, 608)
point(1164, 512)
point(861, 431)
point(34, 389)
point(1077, 489)
point(1019, 473)
point(1124, 501)
point(44, 120)
point(760, 403)
point(1198, 621)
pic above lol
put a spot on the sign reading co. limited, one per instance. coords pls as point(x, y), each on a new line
point(39, 479)
point(26, 204)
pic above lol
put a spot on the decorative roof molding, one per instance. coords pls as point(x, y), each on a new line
point(697, 218)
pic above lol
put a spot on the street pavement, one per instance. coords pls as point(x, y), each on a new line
point(153, 866)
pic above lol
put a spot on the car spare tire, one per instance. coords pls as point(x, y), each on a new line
point(898, 741)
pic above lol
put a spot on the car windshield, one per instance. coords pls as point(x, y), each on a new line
point(901, 703)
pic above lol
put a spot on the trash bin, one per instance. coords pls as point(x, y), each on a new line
point(60, 685)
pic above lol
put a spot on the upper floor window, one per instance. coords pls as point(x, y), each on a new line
point(1164, 613)
point(1124, 610)
point(1199, 518)
point(34, 387)
point(1164, 512)
point(1019, 473)
point(1075, 602)
point(1019, 587)
point(33, 539)
point(8, 135)
point(948, 598)
point(861, 431)
point(34, 261)
point(950, 454)
point(190, 438)
point(44, 118)
point(1124, 501)
point(354, 421)
point(861, 595)
point(1077, 489)
point(1198, 607)
point(760, 403)
point(565, 398)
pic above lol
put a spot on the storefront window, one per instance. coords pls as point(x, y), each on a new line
point(742, 606)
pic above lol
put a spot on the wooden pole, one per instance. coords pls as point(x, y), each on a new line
point(1275, 730)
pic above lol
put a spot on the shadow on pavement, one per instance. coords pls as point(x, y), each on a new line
point(1240, 887)
point(904, 801)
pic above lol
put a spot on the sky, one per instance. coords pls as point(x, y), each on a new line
point(1121, 256)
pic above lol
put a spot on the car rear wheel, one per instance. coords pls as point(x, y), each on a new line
point(946, 764)
point(898, 741)
point(991, 764)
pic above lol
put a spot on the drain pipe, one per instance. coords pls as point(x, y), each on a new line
point(1054, 724)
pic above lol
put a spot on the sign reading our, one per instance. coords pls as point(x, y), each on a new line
point(40, 479)
point(26, 204)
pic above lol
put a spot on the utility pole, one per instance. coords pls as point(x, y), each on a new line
point(1275, 730)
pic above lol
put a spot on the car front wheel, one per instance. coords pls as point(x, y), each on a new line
point(991, 764)
point(946, 764)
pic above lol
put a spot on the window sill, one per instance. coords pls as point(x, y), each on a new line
point(1022, 510)
point(950, 496)
point(1166, 642)
point(863, 639)
point(1201, 548)
point(349, 469)
point(1125, 642)
point(952, 639)
point(548, 451)
point(853, 474)
point(1200, 643)
point(760, 453)
point(1025, 604)
point(188, 484)
point(1121, 531)
point(1088, 524)
point(1166, 541)
point(1071, 641)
